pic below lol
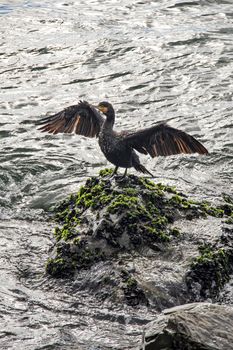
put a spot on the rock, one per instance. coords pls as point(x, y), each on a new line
point(197, 326)
point(145, 243)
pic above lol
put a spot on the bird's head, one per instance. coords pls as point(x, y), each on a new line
point(106, 108)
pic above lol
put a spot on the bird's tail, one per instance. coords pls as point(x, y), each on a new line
point(142, 169)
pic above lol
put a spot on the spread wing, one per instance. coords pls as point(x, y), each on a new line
point(163, 140)
point(82, 119)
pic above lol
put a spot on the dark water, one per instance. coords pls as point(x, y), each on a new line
point(154, 60)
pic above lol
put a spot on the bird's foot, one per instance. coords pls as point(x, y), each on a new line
point(117, 177)
point(120, 178)
point(112, 176)
point(114, 173)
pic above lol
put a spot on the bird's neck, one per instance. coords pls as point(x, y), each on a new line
point(110, 120)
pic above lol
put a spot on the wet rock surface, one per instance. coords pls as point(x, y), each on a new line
point(197, 326)
point(145, 244)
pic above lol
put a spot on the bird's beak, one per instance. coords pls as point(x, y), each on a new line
point(101, 108)
point(97, 107)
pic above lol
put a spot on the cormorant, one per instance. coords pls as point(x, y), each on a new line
point(119, 147)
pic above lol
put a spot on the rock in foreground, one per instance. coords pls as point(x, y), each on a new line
point(198, 326)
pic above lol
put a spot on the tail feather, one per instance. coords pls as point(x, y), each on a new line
point(139, 167)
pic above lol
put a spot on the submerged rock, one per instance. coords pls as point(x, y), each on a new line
point(139, 239)
point(197, 326)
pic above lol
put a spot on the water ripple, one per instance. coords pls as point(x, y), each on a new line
point(154, 61)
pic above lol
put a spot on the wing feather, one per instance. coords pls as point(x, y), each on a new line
point(163, 140)
point(82, 119)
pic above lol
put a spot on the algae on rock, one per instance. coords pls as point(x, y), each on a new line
point(106, 219)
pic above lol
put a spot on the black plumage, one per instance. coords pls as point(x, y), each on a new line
point(119, 147)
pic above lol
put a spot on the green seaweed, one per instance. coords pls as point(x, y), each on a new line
point(210, 256)
point(93, 195)
point(131, 282)
point(211, 269)
point(212, 211)
point(59, 267)
point(136, 207)
point(122, 202)
point(134, 295)
point(65, 233)
point(174, 231)
point(229, 221)
point(181, 202)
point(105, 172)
